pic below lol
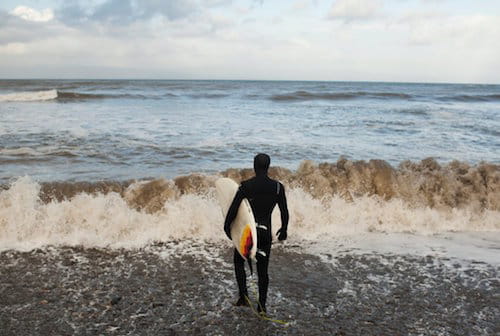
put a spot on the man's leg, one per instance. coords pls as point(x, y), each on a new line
point(241, 278)
point(262, 266)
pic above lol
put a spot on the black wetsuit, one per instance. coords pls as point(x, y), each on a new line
point(263, 193)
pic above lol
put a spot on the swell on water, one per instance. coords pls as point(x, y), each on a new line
point(306, 95)
point(68, 95)
point(472, 98)
point(53, 94)
point(64, 95)
point(342, 198)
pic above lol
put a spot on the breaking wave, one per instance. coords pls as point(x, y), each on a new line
point(29, 96)
point(328, 199)
point(68, 96)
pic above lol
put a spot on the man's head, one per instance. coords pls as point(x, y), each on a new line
point(261, 163)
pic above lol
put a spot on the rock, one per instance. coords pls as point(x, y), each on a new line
point(115, 300)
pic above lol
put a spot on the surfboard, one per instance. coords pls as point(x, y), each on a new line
point(243, 228)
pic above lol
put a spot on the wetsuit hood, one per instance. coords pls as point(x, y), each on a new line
point(261, 164)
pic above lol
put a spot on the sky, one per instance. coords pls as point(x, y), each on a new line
point(361, 40)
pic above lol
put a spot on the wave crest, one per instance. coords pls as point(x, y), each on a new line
point(161, 210)
point(29, 96)
point(53, 94)
point(68, 95)
point(419, 184)
point(342, 198)
point(423, 184)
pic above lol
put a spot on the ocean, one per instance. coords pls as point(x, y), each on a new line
point(107, 187)
point(114, 129)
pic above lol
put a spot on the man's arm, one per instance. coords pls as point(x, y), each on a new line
point(233, 211)
point(282, 233)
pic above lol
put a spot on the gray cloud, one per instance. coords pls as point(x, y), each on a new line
point(216, 3)
point(204, 38)
point(353, 10)
point(172, 10)
point(114, 11)
point(15, 29)
point(123, 12)
point(4, 19)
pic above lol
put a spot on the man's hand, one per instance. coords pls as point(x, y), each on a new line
point(281, 234)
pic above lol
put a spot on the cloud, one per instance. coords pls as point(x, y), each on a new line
point(300, 5)
point(15, 29)
point(428, 28)
point(30, 14)
point(214, 38)
point(173, 9)
point(118, 11)
point(14, 48)
point(124, 12)
point(352, 10)
point(216, 3)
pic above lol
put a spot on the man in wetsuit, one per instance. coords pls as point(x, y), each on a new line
point(263, 193)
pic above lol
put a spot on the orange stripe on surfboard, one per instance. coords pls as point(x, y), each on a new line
point(246, 241)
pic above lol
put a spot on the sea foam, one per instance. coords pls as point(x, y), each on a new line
point(29, 96)
point(114, 220)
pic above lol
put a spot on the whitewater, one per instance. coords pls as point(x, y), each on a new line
point(136, 214)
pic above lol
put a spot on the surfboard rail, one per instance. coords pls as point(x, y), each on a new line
point(243, 228)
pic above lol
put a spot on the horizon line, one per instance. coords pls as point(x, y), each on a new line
point(247, 80)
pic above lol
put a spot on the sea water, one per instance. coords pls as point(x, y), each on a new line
point(100, 162)
point(115, 129)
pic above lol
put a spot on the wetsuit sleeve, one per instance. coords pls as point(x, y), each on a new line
point(233, 211)
point(283, 207)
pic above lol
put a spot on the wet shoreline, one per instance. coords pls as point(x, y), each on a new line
point(179, 289)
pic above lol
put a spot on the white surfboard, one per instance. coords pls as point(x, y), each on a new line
point(243, 228)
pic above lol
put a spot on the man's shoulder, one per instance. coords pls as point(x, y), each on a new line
point(259, 182)
point(274, 181)
point(246, 184)
point(249, 181)
point(259, 179)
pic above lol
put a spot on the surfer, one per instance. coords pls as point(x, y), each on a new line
point(263, 193)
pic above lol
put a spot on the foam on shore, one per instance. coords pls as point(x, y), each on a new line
point(163, 210)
